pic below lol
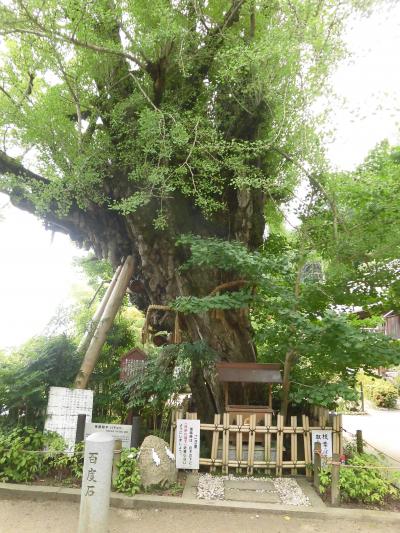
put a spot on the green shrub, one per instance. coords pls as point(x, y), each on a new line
point(381, 392)
point(22, 458)
point(128, 478)
point(64, 465)
point(365, 485)
point(384, 394)
point(19, 460)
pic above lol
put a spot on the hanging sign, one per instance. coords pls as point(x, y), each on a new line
point(120, 432)
point(324, 437)
point(187, 444)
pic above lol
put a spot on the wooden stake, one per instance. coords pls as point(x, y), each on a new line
point(107, 319)
point(317, 465)
point(335, 489)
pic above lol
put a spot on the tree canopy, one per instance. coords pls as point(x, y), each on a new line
point(131, 126)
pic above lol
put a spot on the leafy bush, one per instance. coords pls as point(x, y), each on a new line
point(128, 478)
point(365, 485)
point(19, 460)
point(64, 465)
point(381, 392)
point(22, 460)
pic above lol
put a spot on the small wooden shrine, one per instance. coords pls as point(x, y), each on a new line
point(132, 363)
point(246, 373)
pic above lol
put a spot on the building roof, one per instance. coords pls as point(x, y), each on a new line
point(249, 372)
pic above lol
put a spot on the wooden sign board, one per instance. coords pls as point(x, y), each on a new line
point(132, 363)
point(187, 444)
point(120, 432)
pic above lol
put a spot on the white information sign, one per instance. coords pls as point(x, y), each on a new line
point(187, 444)
point(63, 408)
point(324, 437)
point(118, 431)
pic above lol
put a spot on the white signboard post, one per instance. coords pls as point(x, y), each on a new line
point(118, 431)
point(324, 437)
point(187, 444)
point(63, 408)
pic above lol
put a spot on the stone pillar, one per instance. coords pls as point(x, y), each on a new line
point(96, 483)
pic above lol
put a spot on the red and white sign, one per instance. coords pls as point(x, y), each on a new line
point(187, 444)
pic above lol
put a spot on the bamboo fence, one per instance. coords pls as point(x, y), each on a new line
point(262, 441)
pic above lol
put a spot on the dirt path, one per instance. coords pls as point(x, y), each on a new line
point(18, 516)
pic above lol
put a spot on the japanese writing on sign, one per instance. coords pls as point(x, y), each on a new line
point(64, 406)
point(118, 431)
point(324, 437)
point(91, 474)
point(187, 444)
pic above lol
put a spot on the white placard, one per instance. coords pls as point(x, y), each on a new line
point(118, 431)
point(187, 444)
point(64, 406)
point(323, 436)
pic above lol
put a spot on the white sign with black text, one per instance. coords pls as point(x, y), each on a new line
point(324, 437)
point(187, 444)
point(118, 431)
point(64, 406)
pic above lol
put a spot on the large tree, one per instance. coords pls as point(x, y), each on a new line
point(137, 121)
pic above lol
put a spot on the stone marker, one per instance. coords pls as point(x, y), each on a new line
point(96, 483)
point(156, 463)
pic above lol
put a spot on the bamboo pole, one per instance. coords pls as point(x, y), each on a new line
point(215, 441)
point(225, 444)
point(239, 442)
point(251, 444)
point(279, 444)
point(267, 439)
point(307, 444)
point(293, 444)
point(88, 335)
point(99, 337)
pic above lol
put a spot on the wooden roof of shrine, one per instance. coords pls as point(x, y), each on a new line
point(249, 372)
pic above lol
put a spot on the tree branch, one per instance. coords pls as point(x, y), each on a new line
point(57, 36)
point(9, 165)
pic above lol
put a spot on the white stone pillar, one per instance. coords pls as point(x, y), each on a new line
point(96, 483)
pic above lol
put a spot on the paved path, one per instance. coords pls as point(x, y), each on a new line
point(380, 427)
point(18, 516)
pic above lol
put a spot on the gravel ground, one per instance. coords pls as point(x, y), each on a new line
point(212, 488)
point(17, 516)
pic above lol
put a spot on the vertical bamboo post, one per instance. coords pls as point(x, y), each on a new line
point(267, 440)
point(251, 444)
point(307, 444)
point(225, 443)
point(335, 434)
point(335, 488)
point(239, 443)
point(293, 444)
point(172, 430)
point(340, 429)
point(317, 465)
point(215, 442)
point(279, 445)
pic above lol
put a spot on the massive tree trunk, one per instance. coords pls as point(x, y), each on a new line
point(157, 260)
